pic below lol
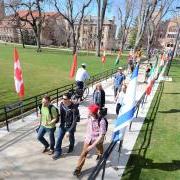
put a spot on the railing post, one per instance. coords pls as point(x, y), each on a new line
point(57, 96)
point(6, 116)
point(104, 168)
point(36, 106)
point(21, 106)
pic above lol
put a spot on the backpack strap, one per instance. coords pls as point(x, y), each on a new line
point(50, 112)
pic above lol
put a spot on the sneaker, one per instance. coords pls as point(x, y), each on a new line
point(56, 156)
point(70, 149)
point(46, 149)
point(51, 152)
point(77, 172)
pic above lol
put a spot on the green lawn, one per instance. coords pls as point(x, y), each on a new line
point(43, 71)
point(156, 154)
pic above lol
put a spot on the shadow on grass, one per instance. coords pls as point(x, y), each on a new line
point(170, 111)
point(137, 160)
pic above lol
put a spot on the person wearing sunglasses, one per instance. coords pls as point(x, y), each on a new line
point(69, 115)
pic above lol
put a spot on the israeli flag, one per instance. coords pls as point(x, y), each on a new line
point(128, 109)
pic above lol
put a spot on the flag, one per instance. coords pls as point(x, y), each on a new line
point(127, 111)
point(103, 59)
point(18, 78)
point(74, 66)
point(117, 61)
point(151, 79)
point(149, 87)
point(118, 57)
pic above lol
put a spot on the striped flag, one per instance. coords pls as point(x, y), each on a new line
point(127, 111)
point(18, 78)
point(74, 66)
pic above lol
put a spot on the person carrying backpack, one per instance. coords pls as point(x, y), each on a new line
point(69, 117)
point(48, 118)
point(96, 130)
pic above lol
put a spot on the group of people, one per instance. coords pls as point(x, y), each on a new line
point(68, 117)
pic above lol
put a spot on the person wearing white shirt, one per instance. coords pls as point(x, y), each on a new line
point(81, 76)
point(120, 98)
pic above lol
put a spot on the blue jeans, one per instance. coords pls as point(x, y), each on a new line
point(61, 134)
point(42, 131)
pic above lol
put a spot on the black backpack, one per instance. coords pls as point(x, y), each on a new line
point(106, 121)
point(50, 112)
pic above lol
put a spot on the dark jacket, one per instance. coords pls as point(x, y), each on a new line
point(99, 98)
point(69, 116)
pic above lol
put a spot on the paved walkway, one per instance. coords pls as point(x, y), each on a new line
point(20, 152)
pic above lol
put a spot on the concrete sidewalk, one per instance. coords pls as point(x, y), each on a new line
point(20, 152)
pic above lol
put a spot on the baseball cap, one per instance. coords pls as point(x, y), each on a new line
point(120, 68)
point(93, 108)
point(83, 64)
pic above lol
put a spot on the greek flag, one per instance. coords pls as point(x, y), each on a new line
point(127, 110)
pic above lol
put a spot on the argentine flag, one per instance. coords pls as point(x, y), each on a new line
point(127, 110)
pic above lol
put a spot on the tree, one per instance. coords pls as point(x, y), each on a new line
point(133, 34)
point(32, 14)
point(162, 9)
point(73, 12)
point(126, 19)
point(100, 22)
point(147, 7)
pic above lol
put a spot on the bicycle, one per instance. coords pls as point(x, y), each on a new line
point(79, 94)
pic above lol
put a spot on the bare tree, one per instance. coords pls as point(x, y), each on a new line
point(100, 22)
point(126, 19)
point(147, 7)
point(162, 9)
point(33, 15)
point(73, 12)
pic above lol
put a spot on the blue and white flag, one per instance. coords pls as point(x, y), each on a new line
point(127, 110)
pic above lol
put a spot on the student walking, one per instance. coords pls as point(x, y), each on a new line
point(99, 96)
point(69, 117)
point(120, 98)
point(96, 130)
point(118, 80)
point(48, 119)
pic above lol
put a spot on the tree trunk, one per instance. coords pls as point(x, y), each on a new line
point(22, 38)
point(98, 42)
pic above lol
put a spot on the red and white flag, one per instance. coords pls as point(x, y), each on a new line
point(18, 78)
point(73, 67)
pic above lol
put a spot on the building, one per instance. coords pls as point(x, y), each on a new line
point(167, 33)
point(88, 33)
point(56, 30)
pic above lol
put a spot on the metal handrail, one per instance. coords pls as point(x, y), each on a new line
point(15, 109)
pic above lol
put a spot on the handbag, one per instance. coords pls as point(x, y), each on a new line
point(103, 112)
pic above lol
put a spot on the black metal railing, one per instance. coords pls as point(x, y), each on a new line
point(26, 106)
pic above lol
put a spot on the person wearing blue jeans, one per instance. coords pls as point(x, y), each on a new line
point(69, 116)
point(48, 118)
point(118, 80)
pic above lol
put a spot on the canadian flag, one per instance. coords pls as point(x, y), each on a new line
point(18, 79)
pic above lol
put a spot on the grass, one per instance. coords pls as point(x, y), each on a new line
point(156, 153)
point(43, 71)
